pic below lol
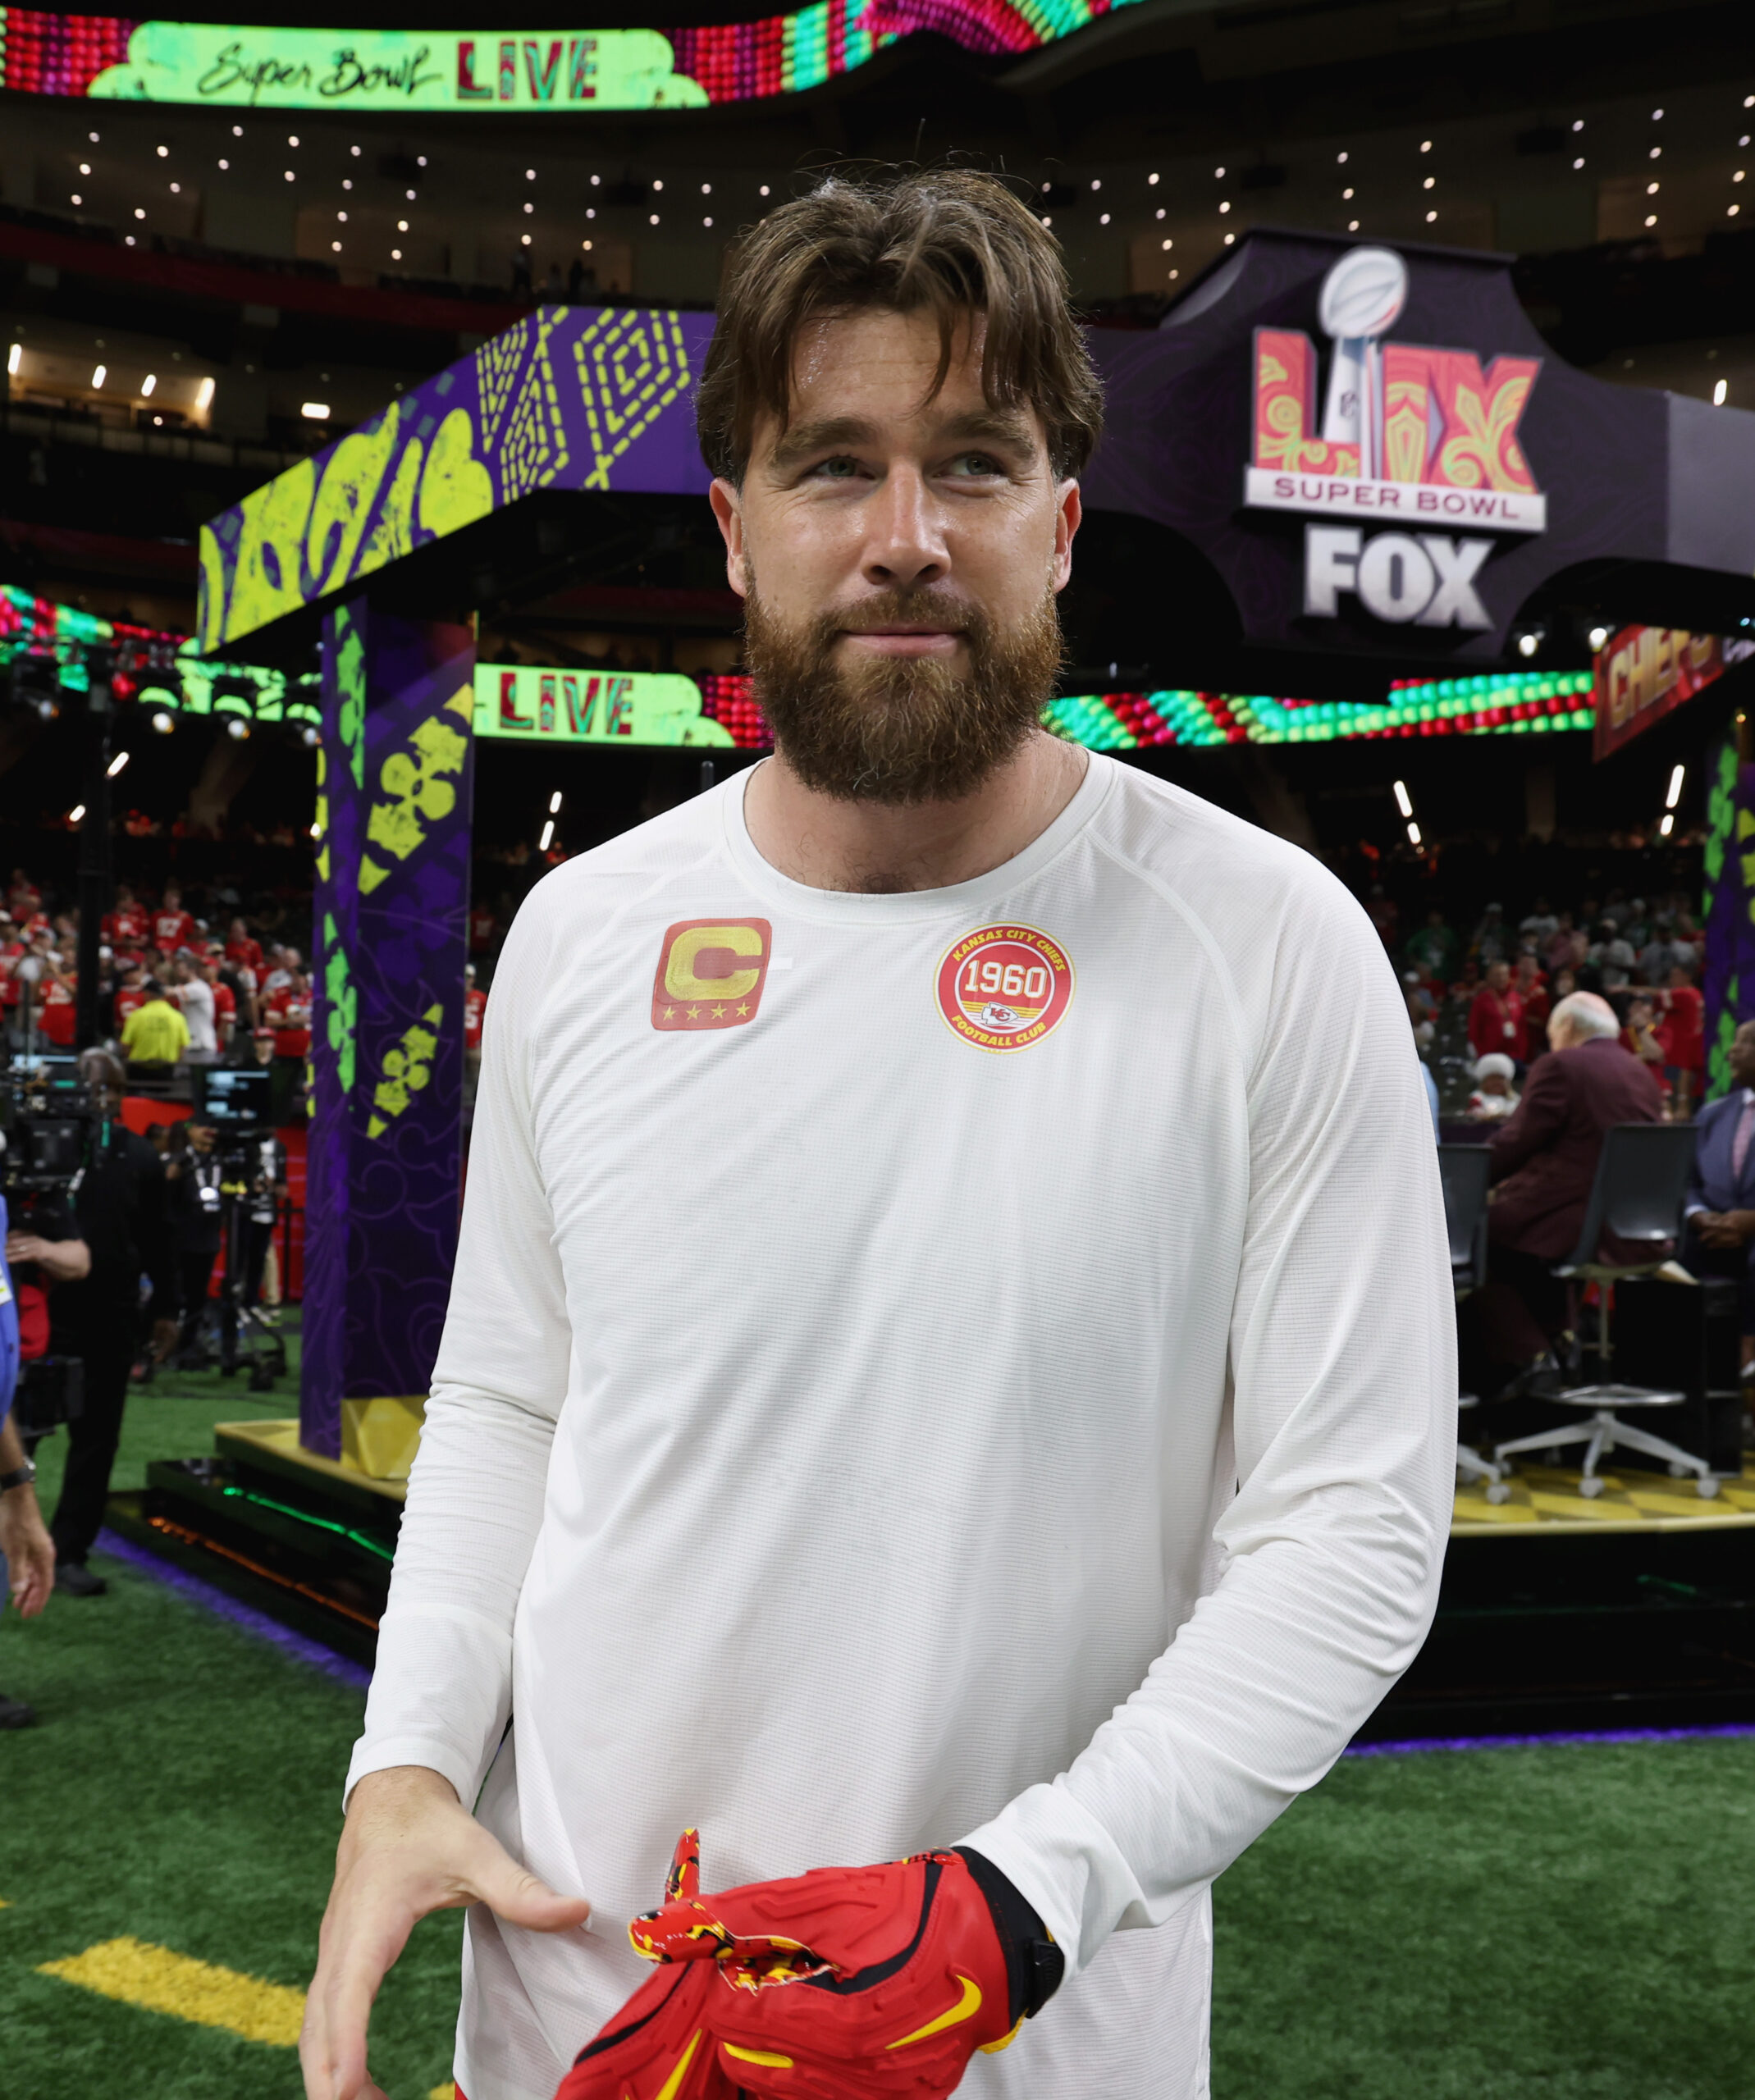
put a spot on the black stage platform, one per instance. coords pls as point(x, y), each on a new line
point(1636, 1610)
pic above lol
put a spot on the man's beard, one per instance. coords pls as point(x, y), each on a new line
point(900, 729)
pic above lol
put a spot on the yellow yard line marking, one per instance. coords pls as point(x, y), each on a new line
point(448, 2091)
point(142, 1974)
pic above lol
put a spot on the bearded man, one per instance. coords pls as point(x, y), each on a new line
point(884, 1416)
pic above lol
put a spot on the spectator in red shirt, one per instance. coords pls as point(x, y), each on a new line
point(125, 927)
point(483, 925)
point(1530, 984)
point(173, 928)
point(24, 898)
point(475, 1007)
point(283, 965)
point(288, 1014)
point(56, 1012)
point(1496, 1017)
point(1681, 1033)
point(242, 951)
point(130, 993)
point(225, 1003)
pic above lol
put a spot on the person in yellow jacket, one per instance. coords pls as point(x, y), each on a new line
point(155, 1033)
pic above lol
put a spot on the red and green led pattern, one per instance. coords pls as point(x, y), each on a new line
point(43, 54)
point(727, 698)
point(1521, 703)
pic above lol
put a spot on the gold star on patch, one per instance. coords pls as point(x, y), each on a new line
point(718, 1013)
point(694, 1013)
point(743, 1010)
point(670, 1013)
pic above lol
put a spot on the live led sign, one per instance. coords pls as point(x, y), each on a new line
point(527, 703)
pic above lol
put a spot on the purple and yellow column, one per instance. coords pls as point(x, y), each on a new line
point(384, 1167)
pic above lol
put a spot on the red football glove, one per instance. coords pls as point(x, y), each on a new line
point(849, 1983)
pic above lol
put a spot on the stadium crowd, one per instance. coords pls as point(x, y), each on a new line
point(179, 977)
point(1506, 977)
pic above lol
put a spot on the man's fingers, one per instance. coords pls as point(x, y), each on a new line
point(352, 1966)
point(522, 1898)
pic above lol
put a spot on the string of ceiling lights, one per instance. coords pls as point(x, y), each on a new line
point(1371, 188)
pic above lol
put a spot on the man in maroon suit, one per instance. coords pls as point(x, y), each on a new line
point(1544, 1163)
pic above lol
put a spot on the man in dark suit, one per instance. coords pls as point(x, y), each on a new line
point(1721, 1207)
point(1544, 1161)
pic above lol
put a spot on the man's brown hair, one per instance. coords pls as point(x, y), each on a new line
point(950, 242)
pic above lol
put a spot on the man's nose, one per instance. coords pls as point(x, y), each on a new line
point(905, 545)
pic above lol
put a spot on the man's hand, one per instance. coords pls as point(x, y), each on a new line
point(1725, 1228)
point(61, 1260)
point(30, 1551)
point(409, 1847)
point(164, 1339)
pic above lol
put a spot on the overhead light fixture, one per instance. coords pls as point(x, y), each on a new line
point(1597, 638)
point(236, 729)
point(1404, 800)
point(204, 396)
point(1721, 389)
point(1414, 835)
point(164, 722)
point(1678, 775)
point(117, 765)
point(314, 412)
point(547, 839)
point(15, 357)
point(1529, 639)
point(1667, 825)
point(553, 803)
point(76, 815)
point(310, 736)
point(147, 385)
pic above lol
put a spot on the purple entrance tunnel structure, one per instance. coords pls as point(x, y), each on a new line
point(1332, 453)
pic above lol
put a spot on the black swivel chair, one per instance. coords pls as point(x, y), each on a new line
point(1637, 1194)
point(1463, 1174)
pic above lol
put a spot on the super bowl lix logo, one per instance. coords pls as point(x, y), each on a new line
point(1412, 437)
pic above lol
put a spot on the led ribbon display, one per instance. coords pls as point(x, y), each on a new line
point(228, 64)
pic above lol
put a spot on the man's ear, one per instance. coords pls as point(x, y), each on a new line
point(1069, 512)
point(728, 508)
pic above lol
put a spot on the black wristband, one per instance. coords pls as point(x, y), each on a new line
point(1034, 1965)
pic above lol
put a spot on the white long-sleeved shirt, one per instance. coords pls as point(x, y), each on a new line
point(851, 1438)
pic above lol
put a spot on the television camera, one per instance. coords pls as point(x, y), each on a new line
point(234, 1102)
point(47, 1117)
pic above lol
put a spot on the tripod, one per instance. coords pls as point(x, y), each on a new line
point(247, 1342)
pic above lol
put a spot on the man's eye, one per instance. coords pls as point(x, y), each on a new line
point(975, 463)
point(840, 469)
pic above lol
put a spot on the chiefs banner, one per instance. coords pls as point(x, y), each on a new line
point(1646, 671)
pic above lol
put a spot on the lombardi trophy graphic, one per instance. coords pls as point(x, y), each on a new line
point(1361, 300)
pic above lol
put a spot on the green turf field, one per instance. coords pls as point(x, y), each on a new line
point(1551, 1924)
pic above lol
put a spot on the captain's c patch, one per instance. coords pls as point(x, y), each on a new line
point(710, 973)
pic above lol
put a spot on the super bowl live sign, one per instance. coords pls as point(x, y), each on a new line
point(1417, 468)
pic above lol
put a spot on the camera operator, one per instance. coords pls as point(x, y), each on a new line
point(119, 1205)
point(193, 1175)
point(25, 1545)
